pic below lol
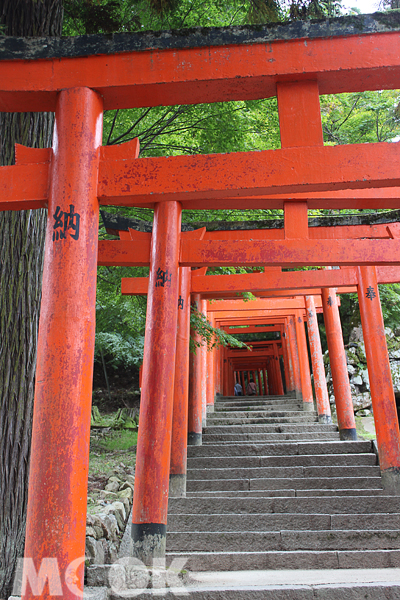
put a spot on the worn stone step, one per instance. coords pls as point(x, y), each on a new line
point(255, 522)
point(306, 417)
point(282, 428)
point(301, 559)
point(269, 437)
point(279, 449)
point(257, 407)
point(287, 472)
point(323, 505)
point(311, 460)
point(278, 483)
point(243, 414)
point(285, 540)
point(285, 493)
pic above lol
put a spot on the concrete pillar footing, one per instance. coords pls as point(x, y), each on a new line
point(391, 481)
point(348, 435)
point(210, 408)
point(308, 406)
point(149, 542)
point(177, 486)
point(194, 439)
point(325, 419)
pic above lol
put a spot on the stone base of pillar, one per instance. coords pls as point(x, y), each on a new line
point(210, 408)
point(148, 542)
point(177, 486)
point(299, 395)
point(348, 435)
point(391, 481)
point(218, 394)
point(325, 419)
point(194, 439)
point(204, 421)
point(308, 406)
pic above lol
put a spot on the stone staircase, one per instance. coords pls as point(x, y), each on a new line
point(270, 489)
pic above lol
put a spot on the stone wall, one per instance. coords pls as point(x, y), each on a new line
point(357, 367)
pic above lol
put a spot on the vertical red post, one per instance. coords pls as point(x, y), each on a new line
point(286, 362)
point(260, 389)
point(225, 374)
point(195, 419)
point(321, 391)
point(337, 359)
point(177, 473)
point(266, 390)
point(211, 374)
point(306, 388)
point(293, 349)
point(380, 378)
point(271, 377)
point(150, 500)
point(203, 367)
point(277, 367)
point(56, 519)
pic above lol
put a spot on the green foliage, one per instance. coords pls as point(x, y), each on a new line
point(210, 336)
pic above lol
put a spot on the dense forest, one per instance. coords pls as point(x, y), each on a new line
point(213, 128)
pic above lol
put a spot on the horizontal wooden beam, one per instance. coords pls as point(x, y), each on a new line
point(218, 176)
point(290, 253)
point(215, 73)
point(259, 304)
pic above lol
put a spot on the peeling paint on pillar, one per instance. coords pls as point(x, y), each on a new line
point(321, 390)
point(380, 378)
point(150, 501)
point(195, 408)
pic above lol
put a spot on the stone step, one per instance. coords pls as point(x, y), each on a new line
point(284, 540)
point(243, 414)
point(279, 449)
point(321, 505)
point(303, 460)
point(278, 483)
point(285, 398)
point(287, 472)
point(278, 522)
point(283, 428)
point(289, 493)
point(306, 417)
point(241, 560)
point(268, 437)
point(257, 407)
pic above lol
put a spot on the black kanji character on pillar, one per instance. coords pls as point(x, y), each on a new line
point(163, 278)
point(370, 293)
point(329, 301)
point(180, 302)
point(65, 222)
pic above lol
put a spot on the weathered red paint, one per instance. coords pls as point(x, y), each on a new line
point(321, 390)
point(306, 389)
point(181, 383)
point(380, 377)
point(150, 502)
point(203, 365)
point(211, 372)
point(56, 520)
point(294, 355)
point(337, 359)
point(195, 421)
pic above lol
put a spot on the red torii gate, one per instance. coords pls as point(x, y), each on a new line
point(79, 87)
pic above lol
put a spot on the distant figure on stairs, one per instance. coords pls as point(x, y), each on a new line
point(251, 389)
point(238, 389)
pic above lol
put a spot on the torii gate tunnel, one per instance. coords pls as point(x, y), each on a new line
point(80, 78)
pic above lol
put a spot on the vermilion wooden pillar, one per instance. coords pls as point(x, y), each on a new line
point(260, 387)
point(271, 377)
point(321, 390)
point(211, 374)
point(277, 367)
point(380, 379)
point(203, 367)
point(337, 359)
point(177, 477)
point(294, 356)
point(56, 519)
point(287, 363)
point(306, 388)
point(195, 417)
point(266, 390)
point(150, 500)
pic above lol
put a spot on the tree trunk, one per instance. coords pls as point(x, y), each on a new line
point(21, 262)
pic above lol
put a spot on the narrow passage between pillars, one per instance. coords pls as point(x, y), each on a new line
point(195, 420)
point(306, 388)
point(177, 477)
point(337, 359)
point(150, 500)
point(321, 390)
point(56, 519)
point(380, 379)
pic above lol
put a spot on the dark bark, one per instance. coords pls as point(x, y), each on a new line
point(21, 261)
